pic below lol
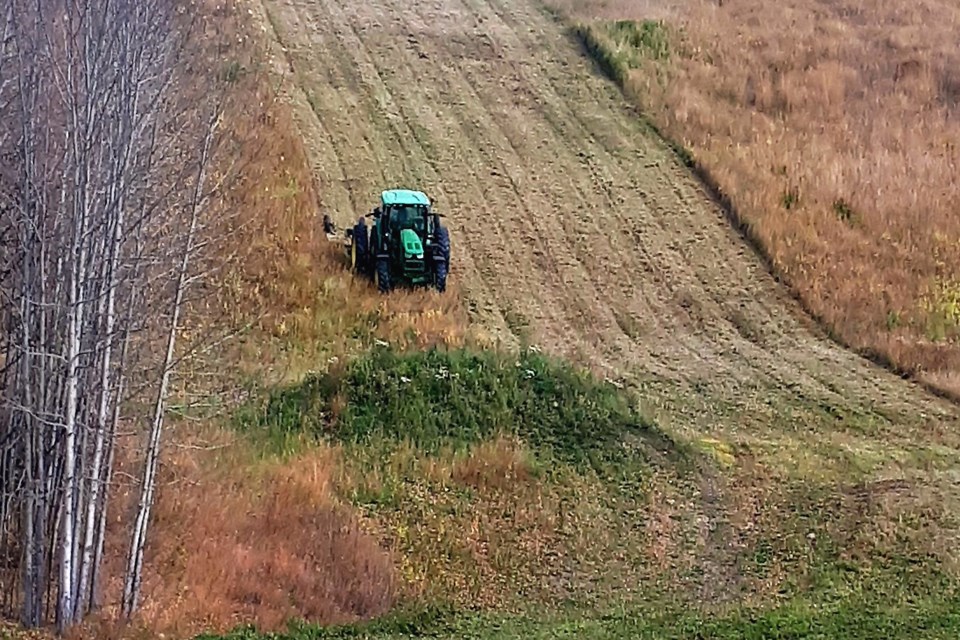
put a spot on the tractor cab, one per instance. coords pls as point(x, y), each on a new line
point(403, 209)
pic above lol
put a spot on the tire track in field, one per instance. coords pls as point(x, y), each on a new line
point(537, 204)
point(566, 211)
point(480, 137)
point(681, 352)
point(560, 212)
point(397, 60)
point(324, 44)
point(576, 215)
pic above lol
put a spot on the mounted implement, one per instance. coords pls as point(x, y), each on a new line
point(405, 246)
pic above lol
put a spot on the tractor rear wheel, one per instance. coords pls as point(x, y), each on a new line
point(440, 275)
point(382, 275)
point(441, 258)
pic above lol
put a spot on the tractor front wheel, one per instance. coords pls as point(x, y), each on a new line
point(359, 248)
point(382, 275)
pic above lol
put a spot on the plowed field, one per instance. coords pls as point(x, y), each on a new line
point(575, 227)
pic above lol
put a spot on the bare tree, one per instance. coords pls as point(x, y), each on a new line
point(131, 592)
point(104, 185)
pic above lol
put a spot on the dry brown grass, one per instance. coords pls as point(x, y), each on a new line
point(234, 546)
point(239, 539)
point(468, 527)
point(832, 127)
point(269, 241)
point(234, 541)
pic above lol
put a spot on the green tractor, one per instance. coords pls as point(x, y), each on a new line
point(406, 244)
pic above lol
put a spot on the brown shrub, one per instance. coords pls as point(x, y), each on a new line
point(236, 542)
point(230, 549)
point(498, 464)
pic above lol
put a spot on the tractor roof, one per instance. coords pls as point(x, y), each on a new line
point(404, 196)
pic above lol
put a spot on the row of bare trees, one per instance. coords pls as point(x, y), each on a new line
point(105, 176)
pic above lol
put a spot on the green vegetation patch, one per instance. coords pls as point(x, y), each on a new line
point(498, 481)
point(620, 46)
point(456, 399)
point(851, 620)
point(941, 307)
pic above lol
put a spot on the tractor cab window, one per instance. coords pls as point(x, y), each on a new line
point(407, 217)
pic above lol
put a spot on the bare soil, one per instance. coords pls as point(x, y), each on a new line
point(574, 227)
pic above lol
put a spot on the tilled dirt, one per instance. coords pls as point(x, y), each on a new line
point(572, 225)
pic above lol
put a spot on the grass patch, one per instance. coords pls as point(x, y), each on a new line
point(620, 46)
point(614, 66)
point(518, 483)
point(933, 619)
point(496, 481)
point(459, 398)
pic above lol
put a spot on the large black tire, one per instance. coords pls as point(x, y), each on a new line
point(440, 275)
point(443, 242)
point(361, 245)
point(441, 258)
point(382, 275)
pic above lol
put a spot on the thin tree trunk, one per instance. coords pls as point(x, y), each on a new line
point(104, 413)
point(26, 322)
point(131, 591)
point(93, 595)
point(66, 606)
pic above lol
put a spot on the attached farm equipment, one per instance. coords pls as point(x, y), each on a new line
point(406, 245)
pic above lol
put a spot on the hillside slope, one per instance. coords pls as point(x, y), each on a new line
point(576, 228)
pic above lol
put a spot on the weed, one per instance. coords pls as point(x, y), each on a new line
point(607, 57)
point(232, 71)
point(631, 325)
point(942, 309)
point(790, 198)
point(621, 46)
point(648, 37)
point(844, 211)
point(518, 324)
point(894, 320)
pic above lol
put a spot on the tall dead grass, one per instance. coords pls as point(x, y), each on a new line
point(235, 546)
point(833, 128)
point(235, 542)
point(270, 243)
